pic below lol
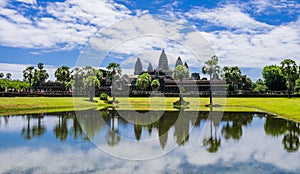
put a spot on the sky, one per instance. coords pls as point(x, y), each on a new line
point(249, 34)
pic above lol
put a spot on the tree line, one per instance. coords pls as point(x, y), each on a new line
point(283, 77)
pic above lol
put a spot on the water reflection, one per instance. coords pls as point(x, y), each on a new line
point(291, 131)
point(35, 130)
point(87, 125)
point(234, 142)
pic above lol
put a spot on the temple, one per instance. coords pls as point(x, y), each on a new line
point(163, 67)
point(193, 85)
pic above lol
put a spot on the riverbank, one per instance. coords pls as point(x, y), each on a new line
point(282, 107)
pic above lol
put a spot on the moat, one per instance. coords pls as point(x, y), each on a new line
point(189, 142)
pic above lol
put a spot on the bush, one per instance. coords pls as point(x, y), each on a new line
point(104, 97)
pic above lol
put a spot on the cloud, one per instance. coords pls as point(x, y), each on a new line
point(27, 1)
point(228, 16)
point(266, 6)
point(240, 39)
point(134, 38)
point(58, 25)
point(257, 50)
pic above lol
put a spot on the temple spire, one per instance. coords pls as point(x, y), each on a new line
point(138, 68)
point(178, 62)
point(150, 68)
point(163, 61)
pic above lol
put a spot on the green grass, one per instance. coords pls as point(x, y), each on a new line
point(28, 105)
point(282, 107)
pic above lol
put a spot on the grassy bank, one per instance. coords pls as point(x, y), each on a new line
point(283, 107)
point(27, 105)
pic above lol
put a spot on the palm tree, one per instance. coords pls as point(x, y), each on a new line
point(8, 76)
point(114, 71)
point(290, 71)
point(232, 75)
point(180, 72)
point(40, 74)
point(1, 75)
point(28, 74)
point(40, 66)
point(211, 67)
point(62, 74)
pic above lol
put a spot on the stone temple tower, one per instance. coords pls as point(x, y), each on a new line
point(138, 68)
point(163, 61)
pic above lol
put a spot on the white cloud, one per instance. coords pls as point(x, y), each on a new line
point(246, 42)
point(134, 38)
point(264, 6)
point(257, 50)
point(230, 17)
point(59, 25)
point(27, 1)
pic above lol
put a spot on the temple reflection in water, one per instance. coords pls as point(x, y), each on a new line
point(86, 125)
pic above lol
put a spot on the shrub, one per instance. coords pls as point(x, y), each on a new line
point(104, 97)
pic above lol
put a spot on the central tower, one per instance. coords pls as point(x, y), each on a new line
point(163, 61)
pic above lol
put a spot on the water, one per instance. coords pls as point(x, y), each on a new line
point(110, 142)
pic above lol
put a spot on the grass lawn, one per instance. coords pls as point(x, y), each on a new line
point(282, 107)
point(27, 105)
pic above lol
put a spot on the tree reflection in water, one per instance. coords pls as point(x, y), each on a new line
point(112, 137)
point(213, 142)
point(36, 130)
point(290, 130)
point(86, 124)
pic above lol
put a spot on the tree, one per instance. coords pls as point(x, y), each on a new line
point(1, 75)
point(155, 84)
point(8, 76)
point(211, 67)
point(114, 71)
point(180, 72)
point(290, 71)
point(63, 74)
point(90, 83)
point(40, 66)
point(232, 75)
point(40, 74)
point(297, 85)
point(143, 81)
point(260, 86)
point(28, 74)
point(274, 78)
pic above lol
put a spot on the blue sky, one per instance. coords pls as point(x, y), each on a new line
point(249, 34)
